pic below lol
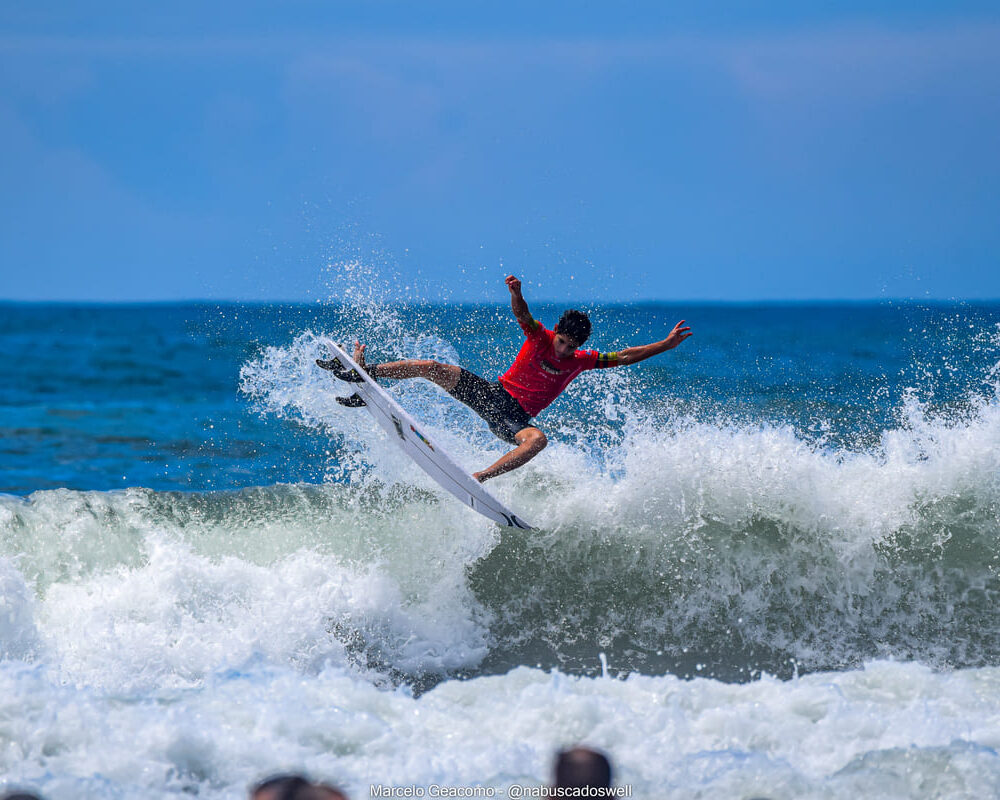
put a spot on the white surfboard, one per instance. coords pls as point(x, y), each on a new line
point(430, 457)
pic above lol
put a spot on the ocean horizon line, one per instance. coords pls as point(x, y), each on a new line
point(615, 303)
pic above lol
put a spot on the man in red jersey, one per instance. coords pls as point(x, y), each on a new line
point(548, 361)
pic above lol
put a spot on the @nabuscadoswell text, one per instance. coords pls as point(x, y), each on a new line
point(512, 792)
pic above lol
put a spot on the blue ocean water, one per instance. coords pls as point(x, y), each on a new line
point(103, 397)
point(766, 562)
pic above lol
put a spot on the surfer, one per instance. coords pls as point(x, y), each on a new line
point(547, 362)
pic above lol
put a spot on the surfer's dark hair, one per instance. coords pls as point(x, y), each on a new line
point(574, 324)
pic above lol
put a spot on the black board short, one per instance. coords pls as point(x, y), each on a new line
point(493, 403)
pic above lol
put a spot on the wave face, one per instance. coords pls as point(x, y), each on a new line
point(705, 550)
point(164, 643)
point(715, 543)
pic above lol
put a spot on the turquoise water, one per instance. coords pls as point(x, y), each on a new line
point(785, 531)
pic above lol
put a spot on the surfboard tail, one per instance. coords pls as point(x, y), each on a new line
point(408, 434)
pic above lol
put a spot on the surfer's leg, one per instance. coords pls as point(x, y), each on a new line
point(530, 442)
point(444, 375)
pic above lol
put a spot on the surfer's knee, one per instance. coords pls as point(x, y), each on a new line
point(532, 437)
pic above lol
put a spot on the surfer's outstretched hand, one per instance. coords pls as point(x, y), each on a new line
point(677, 335)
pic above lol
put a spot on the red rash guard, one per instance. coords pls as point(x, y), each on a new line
point(538, 375)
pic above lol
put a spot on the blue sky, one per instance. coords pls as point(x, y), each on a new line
point(618, 151)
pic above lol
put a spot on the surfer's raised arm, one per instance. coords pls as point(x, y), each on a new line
point(517, 304)
point(633, 355)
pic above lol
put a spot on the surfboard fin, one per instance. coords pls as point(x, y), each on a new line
point(338, 369)
point(336, 366)
point(354, 401)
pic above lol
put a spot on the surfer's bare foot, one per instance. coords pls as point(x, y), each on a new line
point(359, 354)
point(481, 476)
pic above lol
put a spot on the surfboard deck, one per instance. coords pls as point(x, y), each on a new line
point(431, 458)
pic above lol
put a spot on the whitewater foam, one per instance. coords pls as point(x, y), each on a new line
point(892, 730)
point(18, 635)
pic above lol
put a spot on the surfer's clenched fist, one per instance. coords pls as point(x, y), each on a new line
point(514, 284)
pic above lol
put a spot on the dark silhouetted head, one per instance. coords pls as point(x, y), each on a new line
point(575, 325)
point(279, 787)
point(580, 767)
